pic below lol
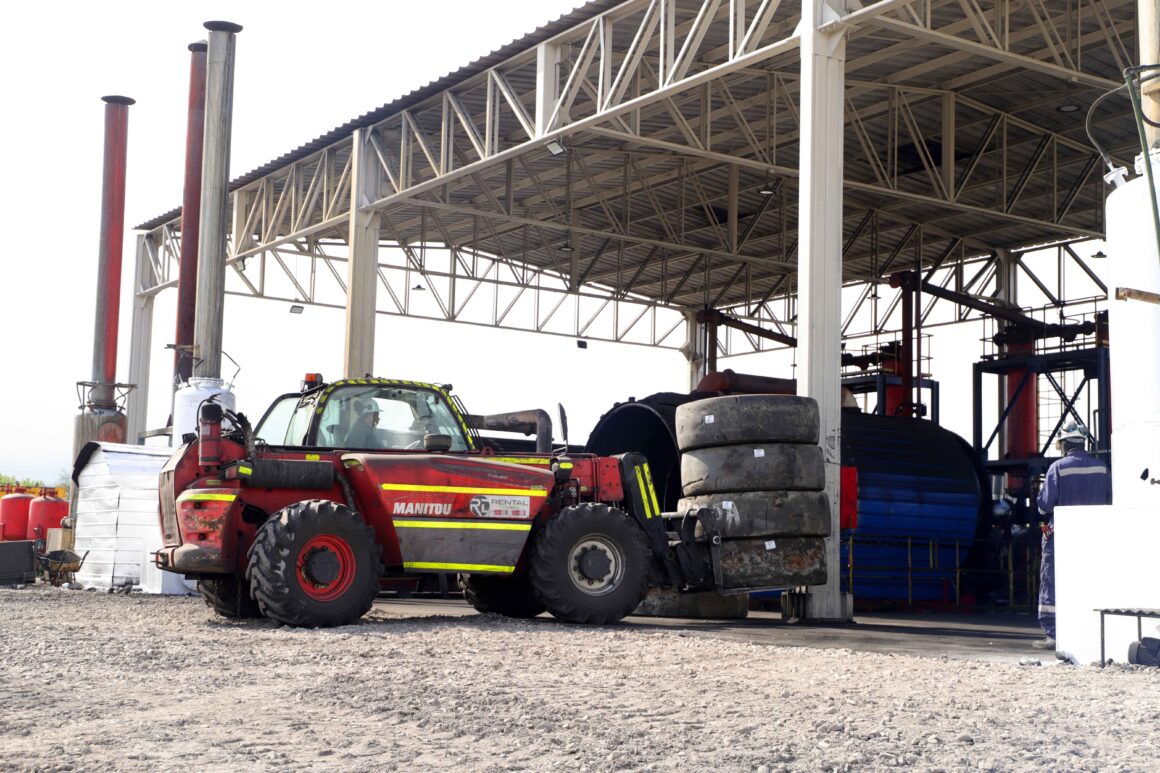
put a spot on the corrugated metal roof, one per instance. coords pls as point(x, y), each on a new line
point(546, 32)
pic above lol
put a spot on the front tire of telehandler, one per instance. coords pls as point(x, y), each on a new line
point(590, 564)
point(315, 564)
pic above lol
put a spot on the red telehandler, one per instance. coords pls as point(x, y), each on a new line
point(343, 485)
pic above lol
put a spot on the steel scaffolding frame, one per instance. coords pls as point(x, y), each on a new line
point(672, 115)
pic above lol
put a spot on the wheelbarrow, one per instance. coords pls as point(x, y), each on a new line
point(59, 564)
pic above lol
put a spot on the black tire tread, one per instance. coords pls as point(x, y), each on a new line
point(267, 572)
point(763, 513)
point(552, 587)
point(752, 467)
point(747, 419)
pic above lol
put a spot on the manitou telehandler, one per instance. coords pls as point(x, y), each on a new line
point(344, 485)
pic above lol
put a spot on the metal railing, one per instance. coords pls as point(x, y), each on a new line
point(995, 574)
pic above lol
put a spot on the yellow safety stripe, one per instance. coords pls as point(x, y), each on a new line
point(517, 460)
point(245, 470)
point(518, 492)
point(648, 513)
point(652, 492)
point(188, 495)
point(458, 567)
point(482, 525)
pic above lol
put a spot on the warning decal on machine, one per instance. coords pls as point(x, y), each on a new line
point(501, 507)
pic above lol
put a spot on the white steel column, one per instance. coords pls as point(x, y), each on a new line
point(362, 268)
point(140, 341)
point(823, 61)
point(547, 86)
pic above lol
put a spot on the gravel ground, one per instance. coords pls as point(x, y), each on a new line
point(90, 681)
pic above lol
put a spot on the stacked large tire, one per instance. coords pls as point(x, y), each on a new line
point(755, 461)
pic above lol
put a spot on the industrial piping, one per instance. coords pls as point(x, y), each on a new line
point(528, 422)
point(190, 215)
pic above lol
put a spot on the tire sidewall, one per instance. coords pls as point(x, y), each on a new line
point(291, 529)
point(552, 553)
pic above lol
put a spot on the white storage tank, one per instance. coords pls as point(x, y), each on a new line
point(1134, 329)
point(188, 400)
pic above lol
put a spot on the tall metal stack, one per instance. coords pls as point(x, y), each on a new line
point(102, 418)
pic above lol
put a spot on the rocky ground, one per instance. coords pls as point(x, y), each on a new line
point(90, 681)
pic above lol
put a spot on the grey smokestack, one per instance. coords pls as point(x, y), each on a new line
point(215, 169)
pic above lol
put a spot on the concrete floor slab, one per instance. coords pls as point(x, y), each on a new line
point(993, 638)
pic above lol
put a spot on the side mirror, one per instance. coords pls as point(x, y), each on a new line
point(437, 442)
point(563, 424)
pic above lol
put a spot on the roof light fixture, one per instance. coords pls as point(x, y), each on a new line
point(555, 147)
point(297, 308)
point(1069, 107)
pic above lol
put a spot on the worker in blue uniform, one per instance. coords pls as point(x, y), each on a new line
point(1077, 478)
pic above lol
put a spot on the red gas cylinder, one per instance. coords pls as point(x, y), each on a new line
point(45, 513)
point(14, 516)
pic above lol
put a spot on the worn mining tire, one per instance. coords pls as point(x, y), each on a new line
point(501, 595)
point(724, 421)
point(315, 564)
point(1145, 652)
point(752, 467)
point(784, 562)
point(590, 564)
point(229, 597)
point(763, 513)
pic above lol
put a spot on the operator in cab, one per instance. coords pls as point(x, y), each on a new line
point(1078, 478)
point(362, 434)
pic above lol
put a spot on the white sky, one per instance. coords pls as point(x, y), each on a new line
point(302, 69)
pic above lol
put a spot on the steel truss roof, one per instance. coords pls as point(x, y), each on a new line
point(678, 187)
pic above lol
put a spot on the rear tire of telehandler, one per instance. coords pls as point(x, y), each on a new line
point(315, 564)
point(229, 597)
point(590, 564)
point(501, 595)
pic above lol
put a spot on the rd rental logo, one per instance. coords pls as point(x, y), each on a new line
point(501, 507)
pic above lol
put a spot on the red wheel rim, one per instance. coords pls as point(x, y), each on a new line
point(315, 548)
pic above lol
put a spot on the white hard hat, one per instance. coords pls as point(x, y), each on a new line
point(363, 407)
point(1072, 431)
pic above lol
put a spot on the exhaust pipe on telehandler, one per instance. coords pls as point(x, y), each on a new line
point(532, 421)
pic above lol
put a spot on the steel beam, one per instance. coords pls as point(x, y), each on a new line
point(823, 54)
point(366, 186)
point(140, 343)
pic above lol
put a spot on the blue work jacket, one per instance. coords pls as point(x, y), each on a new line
point(1076, 479)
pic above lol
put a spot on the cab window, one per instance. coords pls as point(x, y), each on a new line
point(275, 425)
point(387, 417)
